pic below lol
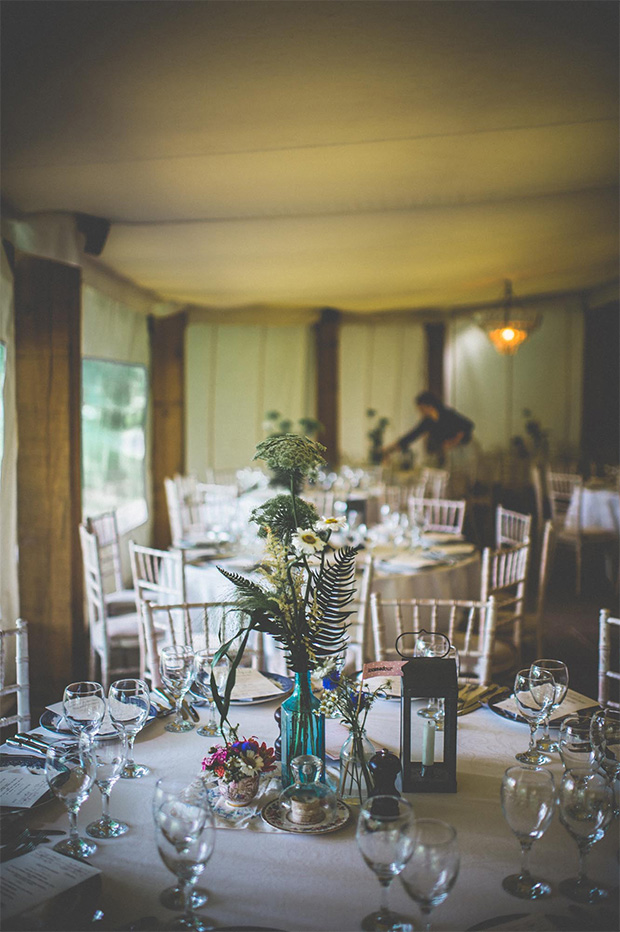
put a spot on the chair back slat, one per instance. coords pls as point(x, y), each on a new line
point(511, 527)
point(17, 685)
point(439, 514)
point(504, 575)
point(608, 672)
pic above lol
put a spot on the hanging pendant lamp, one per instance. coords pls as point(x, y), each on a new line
point(509, 327)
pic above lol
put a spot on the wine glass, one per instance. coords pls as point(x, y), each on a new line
point(577, 750)
point(109, 755)
point(559, 672)
point(167, 789)
point(176, 666)
point(129, 704)
point(204, 666)
point(586, 804)
point(84, 708)
point(534, 692)
point(528, 801)
point(431, 871)
point(605, 736)
point(432, 644)
point(385, 837)
point(70, 776)
point(185, 835)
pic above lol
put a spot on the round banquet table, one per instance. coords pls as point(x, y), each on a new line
point(288, 882)
point(458, 580)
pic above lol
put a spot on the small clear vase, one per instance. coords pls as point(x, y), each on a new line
point(302, 727)
point(355, 782)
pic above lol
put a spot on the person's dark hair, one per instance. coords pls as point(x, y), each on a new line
point(429, 398)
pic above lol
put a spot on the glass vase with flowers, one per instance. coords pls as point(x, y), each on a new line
point(299, 595)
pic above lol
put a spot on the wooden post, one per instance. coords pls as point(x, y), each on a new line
point(435, 341)
point(327, 332)
point(49, 494)
point(167, 335)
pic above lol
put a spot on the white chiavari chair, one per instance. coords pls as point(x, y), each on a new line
point(511, 527)
point(504, 575)
point(565, 495)
point(110, 635)
point(119, 599)
point(199, 626)
point(608, 669)
point(14, 674)
point(469, 624)
point(158, 576)
point(439, 514)
point(435, 482)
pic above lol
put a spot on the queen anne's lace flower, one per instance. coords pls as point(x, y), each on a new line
point(291, 453)
point(306, 541)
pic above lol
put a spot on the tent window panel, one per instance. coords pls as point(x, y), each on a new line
point(114, 404)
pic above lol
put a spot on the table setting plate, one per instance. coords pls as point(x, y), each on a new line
point(283, 687)
point(273, 815)
point(55, 722)
point(493, 704)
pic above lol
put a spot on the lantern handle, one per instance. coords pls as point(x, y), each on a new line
point(416, 634)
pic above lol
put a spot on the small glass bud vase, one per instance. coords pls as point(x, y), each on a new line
point(307, 801)
point(355, 782)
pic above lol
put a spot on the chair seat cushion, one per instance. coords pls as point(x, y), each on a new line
point(121, 602)
point(123, 627)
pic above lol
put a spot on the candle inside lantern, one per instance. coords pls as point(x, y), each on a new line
point(428, 744)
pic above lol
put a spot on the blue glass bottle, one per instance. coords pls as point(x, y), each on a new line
point(303, 727)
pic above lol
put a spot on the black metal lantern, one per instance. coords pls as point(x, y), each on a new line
point(428, 752)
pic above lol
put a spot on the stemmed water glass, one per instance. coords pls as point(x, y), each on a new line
point(185, 834)
point(176, 665)
point(534, 693)
point(84, 708)
point(432, 869)
point(559, 672)
point(528, 801)
point(167, 790)
point(204, 666)
point(605, 737)
point(129, 704)
point(70, 776)
point(109, 755)
point(577, 749)
point(385, 837)
point(586, 801)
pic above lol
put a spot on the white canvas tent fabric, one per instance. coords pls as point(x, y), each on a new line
point(362, 155)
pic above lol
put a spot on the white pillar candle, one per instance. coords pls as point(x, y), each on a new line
point(428, 743)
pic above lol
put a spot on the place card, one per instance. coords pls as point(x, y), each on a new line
point(250, 684)
point(33, 878)
point(20, 789)
point(573, 702)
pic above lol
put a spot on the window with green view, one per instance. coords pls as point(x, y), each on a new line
point(114, 399)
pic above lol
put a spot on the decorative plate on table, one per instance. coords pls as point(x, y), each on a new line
point(283, 686)
point(493, 704)
point(273, 815)
point(53, 721)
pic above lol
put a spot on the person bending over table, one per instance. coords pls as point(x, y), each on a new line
point(443, 427)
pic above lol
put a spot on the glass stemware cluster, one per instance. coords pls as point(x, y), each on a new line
point(182, 669)
point(423, 852)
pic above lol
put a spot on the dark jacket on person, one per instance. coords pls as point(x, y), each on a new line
point(450, 424)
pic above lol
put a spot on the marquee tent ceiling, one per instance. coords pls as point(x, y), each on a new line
point(361, 155)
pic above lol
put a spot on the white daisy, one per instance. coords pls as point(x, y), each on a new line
point(306, 541)
point(332, 523)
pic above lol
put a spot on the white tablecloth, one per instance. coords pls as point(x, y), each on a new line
point(600, 510)
point(290, 882)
